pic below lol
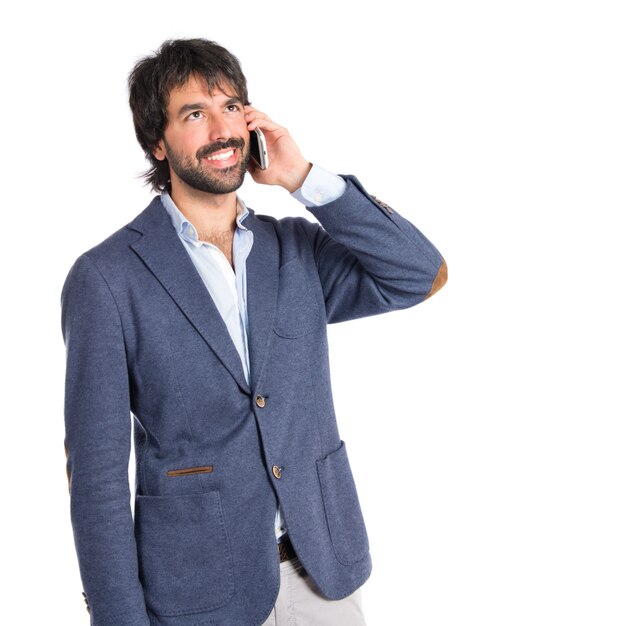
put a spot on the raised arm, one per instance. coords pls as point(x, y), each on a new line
point(369, 258)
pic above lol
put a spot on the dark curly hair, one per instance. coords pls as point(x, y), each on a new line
point(152, 79)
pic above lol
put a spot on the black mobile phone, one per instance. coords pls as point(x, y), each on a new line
point(258, 148)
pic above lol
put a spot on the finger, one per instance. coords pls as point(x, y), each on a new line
point(264, 124)
point(257, 120)
point(250, 112)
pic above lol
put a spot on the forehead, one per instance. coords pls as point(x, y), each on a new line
point(195, 89)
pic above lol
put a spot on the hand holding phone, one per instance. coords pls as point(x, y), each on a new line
point(289, 168)
point(258, 148)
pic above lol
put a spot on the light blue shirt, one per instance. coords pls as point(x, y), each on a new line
point(226, 285)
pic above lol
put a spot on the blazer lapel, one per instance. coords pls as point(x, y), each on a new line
point(262, 291)
point(165, 256)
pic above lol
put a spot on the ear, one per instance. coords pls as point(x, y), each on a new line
point(159, 152)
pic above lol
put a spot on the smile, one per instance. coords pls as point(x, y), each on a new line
point(221, 156)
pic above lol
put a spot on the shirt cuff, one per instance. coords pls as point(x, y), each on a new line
point(320, 187)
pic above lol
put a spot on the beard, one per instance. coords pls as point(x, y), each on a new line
point(217, 181)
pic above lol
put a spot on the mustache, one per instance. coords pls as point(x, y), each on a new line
point(233, 142)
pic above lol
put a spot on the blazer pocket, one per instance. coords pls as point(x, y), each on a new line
point(341, 504)
point(297, 312)
point(185, 563)
point(188, 471)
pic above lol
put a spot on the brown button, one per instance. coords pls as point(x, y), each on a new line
point(86, 602)
point(382, 204)
point(277, 471)
point(260, 401)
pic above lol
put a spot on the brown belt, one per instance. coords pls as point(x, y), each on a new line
point(285, 549)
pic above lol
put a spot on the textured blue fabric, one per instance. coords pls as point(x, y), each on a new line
point(143, 338)
point(210, 263)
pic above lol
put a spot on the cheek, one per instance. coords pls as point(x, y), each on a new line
point(245, 135)
point(241, 129)
point(188, 146)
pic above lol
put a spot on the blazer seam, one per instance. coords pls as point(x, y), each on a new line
point(392, 217)
point(140, 471)
point(181, 399)
point(316, 407)
point(119, 317)
point(117, 308)
point(311, 243)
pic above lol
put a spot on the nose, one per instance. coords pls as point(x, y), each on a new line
point(219, 130)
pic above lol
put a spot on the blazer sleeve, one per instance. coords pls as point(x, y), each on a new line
point(369, 258)
point(97, 445)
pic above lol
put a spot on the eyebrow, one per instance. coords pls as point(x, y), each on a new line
point(195, 106)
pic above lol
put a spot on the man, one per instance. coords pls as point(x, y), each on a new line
point(207, 323)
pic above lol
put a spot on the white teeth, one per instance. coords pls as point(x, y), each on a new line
point(222, 156)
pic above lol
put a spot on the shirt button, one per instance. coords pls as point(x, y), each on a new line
point(277, 471)
point(317, 197)
point(260, 401)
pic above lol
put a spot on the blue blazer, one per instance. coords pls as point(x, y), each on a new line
point(214, 454)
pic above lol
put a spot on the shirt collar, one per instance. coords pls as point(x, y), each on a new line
point(186, 229)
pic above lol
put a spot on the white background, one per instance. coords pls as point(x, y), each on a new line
point(486, 426)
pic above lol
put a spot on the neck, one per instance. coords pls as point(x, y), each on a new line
point(209, 213)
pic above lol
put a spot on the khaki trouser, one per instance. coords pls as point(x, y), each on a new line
point(300, 604)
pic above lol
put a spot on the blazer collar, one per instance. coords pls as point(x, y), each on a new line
point(165, 256)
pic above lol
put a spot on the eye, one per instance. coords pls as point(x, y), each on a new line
point(233, 108)
point(194, 115)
